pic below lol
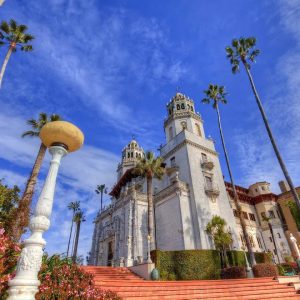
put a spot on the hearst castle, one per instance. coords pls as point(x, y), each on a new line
point(190, 193)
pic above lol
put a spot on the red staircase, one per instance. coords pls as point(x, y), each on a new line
point(130, 286)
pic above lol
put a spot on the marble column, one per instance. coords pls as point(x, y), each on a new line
point(25, 284)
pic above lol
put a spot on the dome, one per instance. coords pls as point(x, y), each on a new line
point(62, 132)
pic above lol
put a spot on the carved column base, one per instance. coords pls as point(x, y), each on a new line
point(23, 289)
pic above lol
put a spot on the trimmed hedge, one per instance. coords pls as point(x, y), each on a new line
point(237, 258)
point(188, 264)
point(265, 270)
point(234, 272)
point(197, 264)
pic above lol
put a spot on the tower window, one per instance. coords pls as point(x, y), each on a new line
point(172, 160)
point(204, 157)
point(128, 155)
point(271, 214)
point(198, 130)
point(192, 109)
point(182, 106)
point(252, 217)
point(178, 106)
point(171, 132)
point(183, 124)
point(278, 234)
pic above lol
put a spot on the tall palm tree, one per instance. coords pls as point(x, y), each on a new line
point(150, 167)
point(268, 220)
point(74, 206)
point(23, 212)
point(15, 37)
point(101, 189)
point(216, 94)
point(78, 219)
point(244, 50)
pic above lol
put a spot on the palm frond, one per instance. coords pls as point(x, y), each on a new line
point(22, 28)
point(33, 123)
point(27, 48)
point(5, 27)
point(30, 133)
point(55, 117)
point(13, 25)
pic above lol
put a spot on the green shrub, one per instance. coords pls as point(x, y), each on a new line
point(187, 264)
point(265, 270)
point(237, 258)
point(233, 272)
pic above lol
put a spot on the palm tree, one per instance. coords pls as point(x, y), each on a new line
point(101, 189)
point(74, 206)
point(222, 238)
point(15, 37)
point(78, 219)
point(150, 167)
point(244, 50)
point(23, 212)
point(268, 220)
point(216, 94)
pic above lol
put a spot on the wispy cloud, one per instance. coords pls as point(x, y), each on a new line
point(256, 156)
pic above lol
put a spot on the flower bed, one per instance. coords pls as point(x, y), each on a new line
point(9, 252)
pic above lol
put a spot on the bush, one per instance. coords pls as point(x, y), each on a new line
point(265, 270)
point(290, 268)
point(187, 264)
point(61, 279)
point(237, 258)
point(9, 252)
point(233, 273)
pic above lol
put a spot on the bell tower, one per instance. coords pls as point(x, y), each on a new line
point(195, 160)
point(182, 116)
point(130, 156)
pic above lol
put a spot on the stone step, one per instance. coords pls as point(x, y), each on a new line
point(130, 286)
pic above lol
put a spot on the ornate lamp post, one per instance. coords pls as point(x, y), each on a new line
point(60, 137)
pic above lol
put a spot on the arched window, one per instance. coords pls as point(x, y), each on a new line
point(198, 130)
point(131, 154)
point(178, 106)
point(128, 155)
point(184, 126)
point(182, 106)
point(192, 108)
point(170, 132)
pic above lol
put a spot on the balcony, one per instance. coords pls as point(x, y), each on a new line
point(207, 164)
point(212, 190)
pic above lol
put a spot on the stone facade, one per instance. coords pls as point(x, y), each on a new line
point(185, 200)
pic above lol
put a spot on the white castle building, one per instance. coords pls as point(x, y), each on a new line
point(185, 200)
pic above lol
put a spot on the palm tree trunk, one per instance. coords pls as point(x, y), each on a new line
point(8, 54)
point(235, 195)
point(276, 150)
point(70, 234)
point(272, 234)
point(76, 242)
point(150, 211)
point(23, 212)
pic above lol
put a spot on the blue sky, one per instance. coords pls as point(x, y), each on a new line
point(110, 67)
